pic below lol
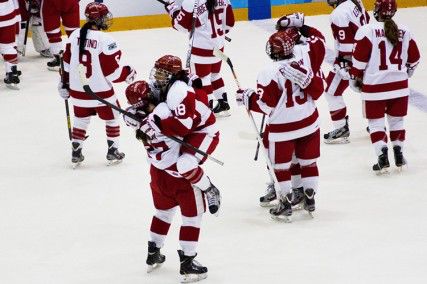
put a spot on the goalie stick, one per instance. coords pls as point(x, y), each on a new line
point(88, 90)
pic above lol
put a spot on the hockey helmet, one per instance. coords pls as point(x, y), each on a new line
point(384, 9)
point(99, 14)
point(165, 68)
point(140, 95)
point(281, 44)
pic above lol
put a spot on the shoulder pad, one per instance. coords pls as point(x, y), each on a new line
point(177, 93)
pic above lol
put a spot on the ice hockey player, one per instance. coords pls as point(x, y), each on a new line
point(213, 20)
point(100, 54)
point(170, 189)
point(348, 16)
point(385, 56)
point(286, 93)
point(8, 19)
point(54, 12)
point(30, 14)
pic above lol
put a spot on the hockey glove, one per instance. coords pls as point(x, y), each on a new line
point(132, 74)
point(132, 122)
point(342, 71)
point(63, 90)
point(243, 97)
point(356, 84)
point(298, 74)
point(411, 69)
point(293, 20)
point(172, 9)
point(150, 126)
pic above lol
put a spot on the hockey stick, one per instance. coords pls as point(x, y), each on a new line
point(27, 27)
point(167, 3)
point(225, 58)
point(67, 108)
point(191, 36)
point(88, 90)
point(260, 134)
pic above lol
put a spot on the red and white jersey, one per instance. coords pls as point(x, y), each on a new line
point(190, 112)
point(210, 29)
point(345, 20)
point(291, 111)
point(102, 61)
point(383, 66)
point(9, 13)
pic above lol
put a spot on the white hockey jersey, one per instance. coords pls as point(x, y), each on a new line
point(210, 29)
point(383, 66)
point(345, 20)
point(101, 58)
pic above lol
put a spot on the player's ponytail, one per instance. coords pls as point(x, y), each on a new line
point(210, 5)
point(391, 31)
point(83, 36)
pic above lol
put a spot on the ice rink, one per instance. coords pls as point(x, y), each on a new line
point(90, 225)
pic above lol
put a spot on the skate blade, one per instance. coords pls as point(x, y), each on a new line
point(12, 86)
point(268, 204)
point(297, 207)
point(343, 140)
point(76, 165)
point(281, 218)
point(55, 69)
point(225, 113)
point(113, 162)
point(383, 172)
point(151, 268)
point(189, 278)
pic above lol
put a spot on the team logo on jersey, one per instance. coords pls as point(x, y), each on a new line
point(112, 46)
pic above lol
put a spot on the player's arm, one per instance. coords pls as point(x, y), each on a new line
point(413, 57)
point(66, 57)
point(182, 19)
point(361, 53)
point(109, 59)
point(229, 18)
point(316, 41)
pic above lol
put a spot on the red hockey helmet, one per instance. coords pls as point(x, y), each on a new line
point(281, 44)
point(99, 14)
point(164, 69)
point(139, 94)
point(384, 9)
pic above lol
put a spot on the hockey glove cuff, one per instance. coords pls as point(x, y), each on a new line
point(293, 20)
point(243, 97)
point(298, 74)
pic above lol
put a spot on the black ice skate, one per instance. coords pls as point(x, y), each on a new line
point(76, 154)
point(154, 258)
point(113, 154)
point(399, 160)
point(309, 202)
point(12, 78)
point(55, 64)
point(269, 197)
point(222, 109)
point(213, 197)
point(383, 164)
point(338, 136)
point(297, 197)
point(283, 210)
point(191, 270)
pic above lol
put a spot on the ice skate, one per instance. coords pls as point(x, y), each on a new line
point(213, 197)
point(338, 136)
point(269, 197)
point(46, 53)
point(383, 164)
point(399, 160)
point(154, 258)
point(283, 210)
point(76, 155)
point(113, 155)
point(309, 202)
point(191, 270)
point(222, 109)
point(297, 198)
point(55, 64)
point(12, 78)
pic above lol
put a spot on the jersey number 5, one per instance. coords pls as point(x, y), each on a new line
point(85, 58)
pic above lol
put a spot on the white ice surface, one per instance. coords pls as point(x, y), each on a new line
point(90, 225)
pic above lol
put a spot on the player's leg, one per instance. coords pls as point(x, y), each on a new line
point(280, 154)
point(191, 203)
point(337, 108)
point(397, 109)
point(39, 37)
point(307, 151)
point(50, 14)
point(222, 107)
point(374, 112)
point(112, 130)
point(203, 71)
point(10, 56)
point(162, 218)
point(188, 166)
point(80, 124)
point(70, 16)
